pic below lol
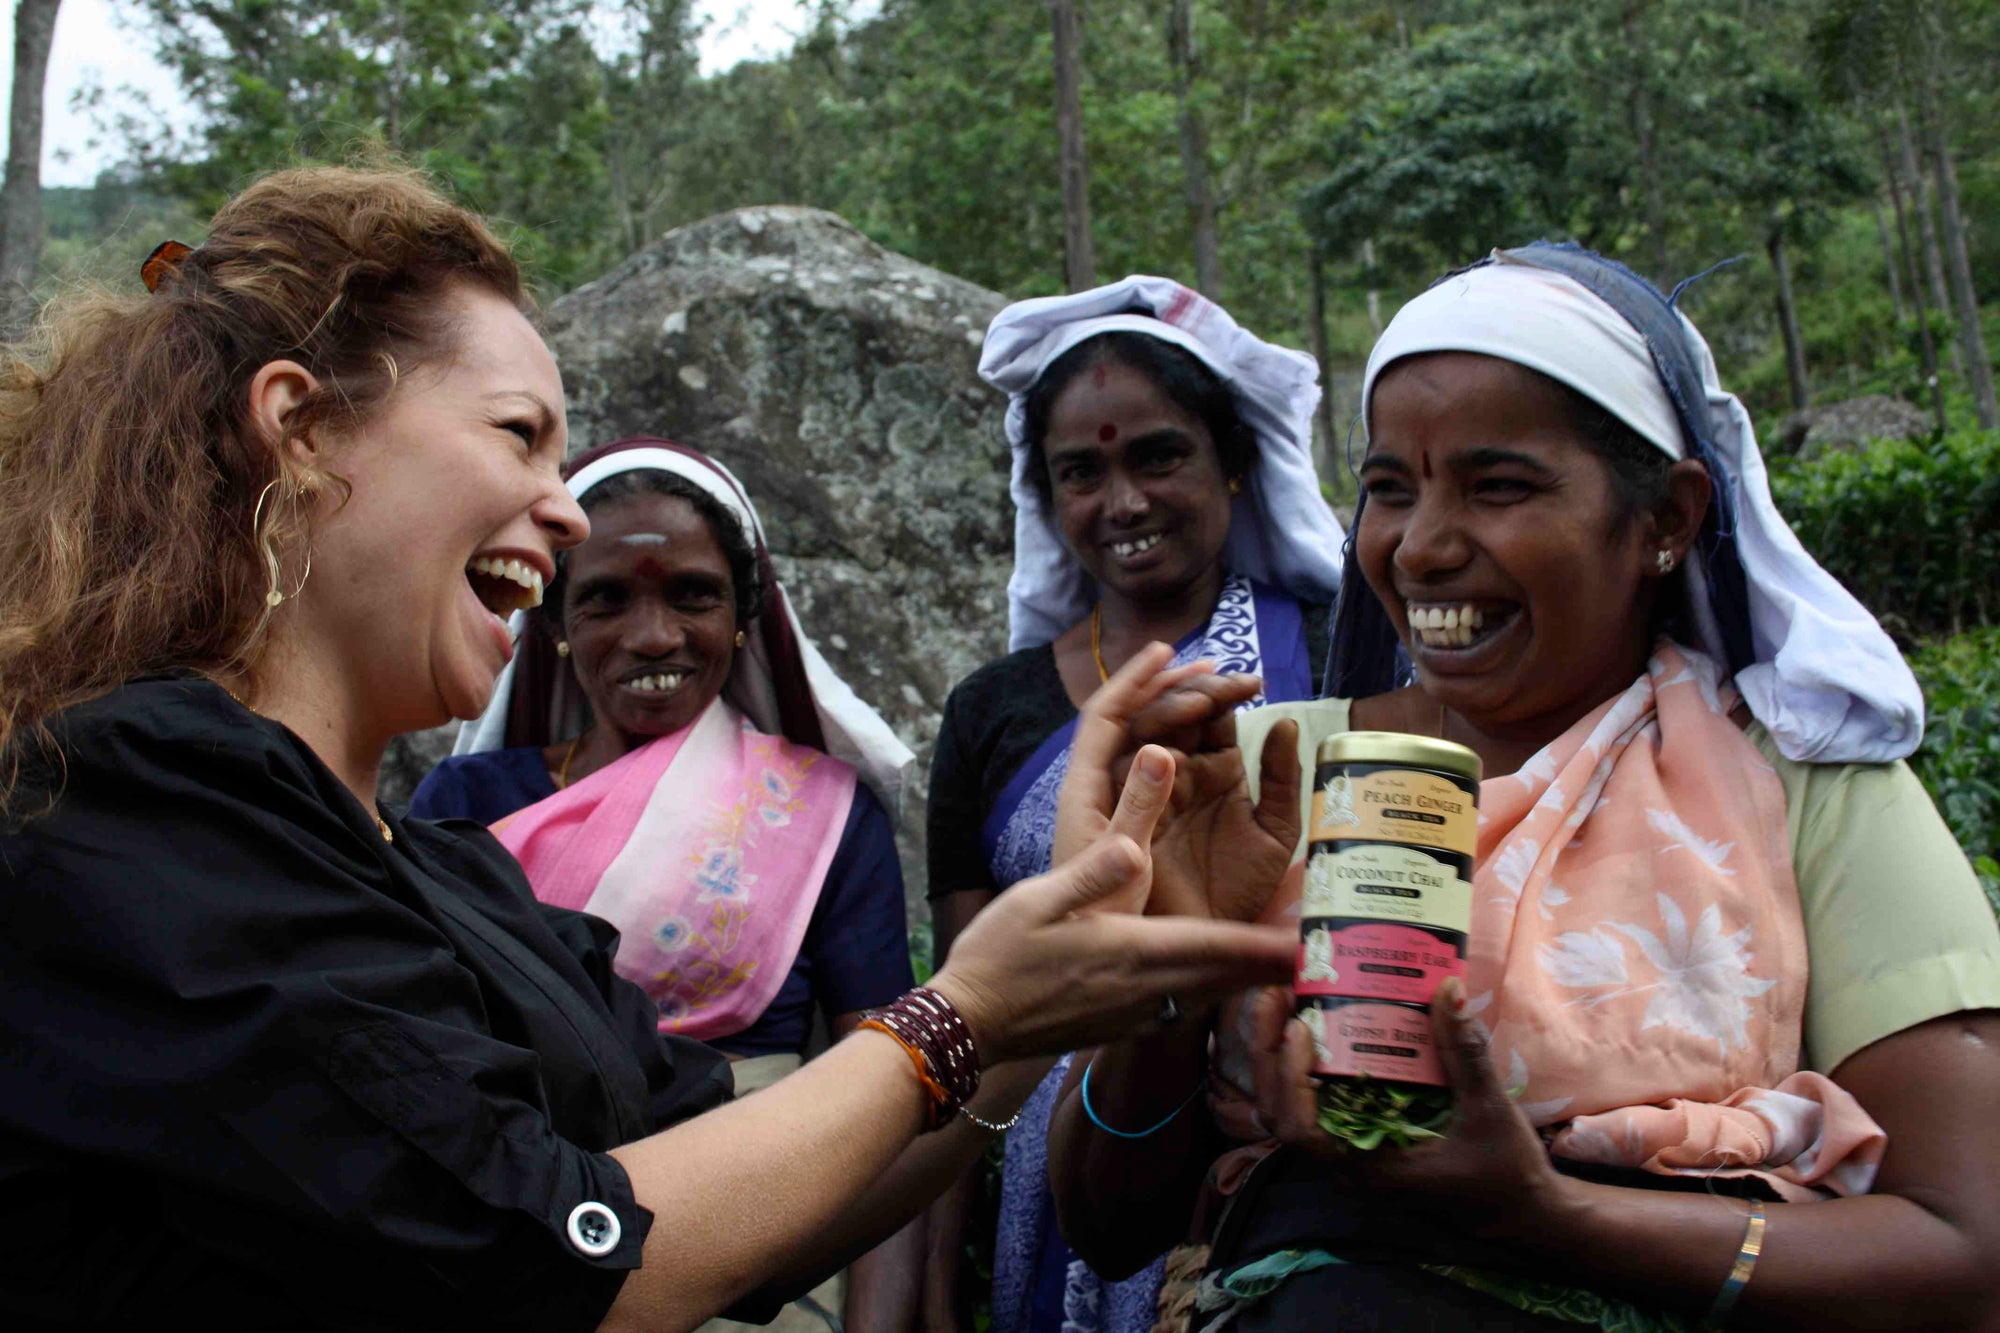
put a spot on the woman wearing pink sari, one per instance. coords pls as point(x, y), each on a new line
point(1725, 1043)
point(662, 754)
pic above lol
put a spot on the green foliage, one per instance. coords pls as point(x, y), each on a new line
point(1959, 760)
point(1364, 1113)
point(1913, 529)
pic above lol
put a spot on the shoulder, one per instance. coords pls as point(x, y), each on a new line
point(1898, 930)
point(1004, 677)
point(486, 786)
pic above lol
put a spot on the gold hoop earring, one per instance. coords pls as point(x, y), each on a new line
point(274, 597)
point(741, 638)
point(562, 647)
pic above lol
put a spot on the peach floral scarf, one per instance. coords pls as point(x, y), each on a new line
point(1637, 953)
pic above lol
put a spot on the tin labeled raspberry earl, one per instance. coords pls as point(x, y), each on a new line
point(1384, 918)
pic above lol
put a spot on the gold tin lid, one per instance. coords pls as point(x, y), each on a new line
point(1397, 747)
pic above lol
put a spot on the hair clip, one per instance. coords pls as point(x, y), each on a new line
point(166, 257)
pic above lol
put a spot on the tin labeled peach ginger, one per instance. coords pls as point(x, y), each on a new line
point(1387, 904)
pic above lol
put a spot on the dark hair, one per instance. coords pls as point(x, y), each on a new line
point(1180, 375)
point(723, 525)
point(1641, 475)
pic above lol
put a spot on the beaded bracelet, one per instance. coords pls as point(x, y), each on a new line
point(935, 1037)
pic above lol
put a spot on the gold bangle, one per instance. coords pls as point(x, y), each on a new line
point(1739, 1275)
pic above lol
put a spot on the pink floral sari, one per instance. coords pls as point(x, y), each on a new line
point(707, 849)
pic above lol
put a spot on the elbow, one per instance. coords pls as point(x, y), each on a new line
point(1112, 1222)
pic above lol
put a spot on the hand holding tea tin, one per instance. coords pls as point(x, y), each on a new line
point(1487, 1165)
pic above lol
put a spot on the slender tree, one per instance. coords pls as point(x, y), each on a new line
point(1978, 366)
point(1194, 151)
point(21, 196)
point(1079, 261)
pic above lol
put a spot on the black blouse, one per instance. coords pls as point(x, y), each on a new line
point(260, 1068)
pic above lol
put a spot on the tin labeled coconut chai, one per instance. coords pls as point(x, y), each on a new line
point(1387, 904)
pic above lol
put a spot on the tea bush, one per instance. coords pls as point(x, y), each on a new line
point(1959, 760)
point(1912, 527)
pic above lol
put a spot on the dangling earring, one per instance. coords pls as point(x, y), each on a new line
point(1664, 561)
point(741, 638)
point(274, 597)
point(562, 647)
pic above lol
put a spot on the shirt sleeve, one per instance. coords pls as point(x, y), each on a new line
point(957, 811)
point(860, 946)
point(1897, 929)
point(213, 988)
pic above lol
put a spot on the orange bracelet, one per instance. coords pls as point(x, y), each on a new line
point(935, 1114)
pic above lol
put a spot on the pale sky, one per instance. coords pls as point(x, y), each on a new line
point(96, 44)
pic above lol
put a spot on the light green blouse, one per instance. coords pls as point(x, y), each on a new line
point(1897, 929)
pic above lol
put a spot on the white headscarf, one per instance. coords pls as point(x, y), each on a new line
point(1280, 531)
point(1827, 682)
point(854, 732)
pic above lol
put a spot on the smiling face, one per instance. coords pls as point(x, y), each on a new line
point(1136, 484)
point(1495, 537)
point(649, 611)
point(455, 478)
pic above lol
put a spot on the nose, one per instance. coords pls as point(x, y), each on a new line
point(1433, 541)
point(1128, 501)
point(558, 514)
point(652, 629)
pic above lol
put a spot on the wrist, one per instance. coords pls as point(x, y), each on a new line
point(965, 1001)
point(1552, 1211)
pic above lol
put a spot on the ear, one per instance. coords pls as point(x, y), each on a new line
point(276, 391)
point(1678, 522)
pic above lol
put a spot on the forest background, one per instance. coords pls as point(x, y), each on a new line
point(1310, 162)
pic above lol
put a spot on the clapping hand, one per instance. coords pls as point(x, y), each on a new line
point(1215, 853)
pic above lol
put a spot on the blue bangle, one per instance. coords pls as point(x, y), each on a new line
point(1126, 1133)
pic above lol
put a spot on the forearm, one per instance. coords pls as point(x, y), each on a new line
point(885, 1285)
point(944, 1253)
point(1877, 1261)
point(1121, 1201)
point(737, 1194)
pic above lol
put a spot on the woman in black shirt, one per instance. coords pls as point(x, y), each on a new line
point(270, 1058)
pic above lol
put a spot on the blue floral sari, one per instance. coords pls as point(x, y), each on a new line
point(1039, 1286)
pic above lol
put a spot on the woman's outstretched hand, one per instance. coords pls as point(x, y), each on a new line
point(1043, 970)
point(1216, 853)
point(1488, 1170)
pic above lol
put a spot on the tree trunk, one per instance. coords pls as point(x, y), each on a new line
point(1926, 231)
point(1374, 293)
point(1928, 346)
point(1645, 131)
point(1788, 319)
point(1978, 368)
point(1316, 274)
point(398, 73)
point(1079, 262)
point(1890, 267)
point(1194, 152)
point(21, 196)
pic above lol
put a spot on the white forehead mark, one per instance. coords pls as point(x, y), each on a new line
point(643, 539)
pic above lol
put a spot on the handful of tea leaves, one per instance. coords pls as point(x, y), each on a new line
point(1365, 1113)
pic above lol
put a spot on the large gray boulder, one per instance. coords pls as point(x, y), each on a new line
point(1856, 422)
point(838, 381)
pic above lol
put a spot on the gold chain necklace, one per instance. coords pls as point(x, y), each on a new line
point(380, 823)
point(1097, 641)
point(562, 774)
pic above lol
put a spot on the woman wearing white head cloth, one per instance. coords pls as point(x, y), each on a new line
point(1719, 938)
point(668, 660)
point(1164, 491)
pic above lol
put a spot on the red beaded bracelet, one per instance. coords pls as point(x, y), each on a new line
point(939, 1044)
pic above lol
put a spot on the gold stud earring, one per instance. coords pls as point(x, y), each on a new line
point(562, 647)
point(1664, 561)
point(741, 638)
point(1236, 486)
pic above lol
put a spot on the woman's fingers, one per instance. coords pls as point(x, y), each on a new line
point(1278, 787)
point(1089, 789)
point(1111, 870)
point(1148, 787)
point(1462, 1047)
point(1183, 956)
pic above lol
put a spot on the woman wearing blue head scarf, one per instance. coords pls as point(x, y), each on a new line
point(1726, 1043)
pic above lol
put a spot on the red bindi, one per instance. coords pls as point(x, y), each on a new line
point(1107, 433)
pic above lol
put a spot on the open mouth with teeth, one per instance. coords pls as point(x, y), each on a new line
point(1125, 550)
point(504, 586)
point(657, 682)
point(1455, 625)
